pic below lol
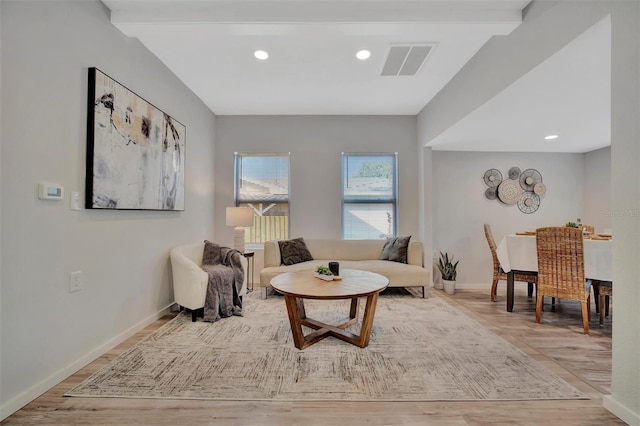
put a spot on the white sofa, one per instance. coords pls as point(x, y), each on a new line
point(351, 254)
point(190, 281)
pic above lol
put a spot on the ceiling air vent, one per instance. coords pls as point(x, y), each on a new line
point(405, 60)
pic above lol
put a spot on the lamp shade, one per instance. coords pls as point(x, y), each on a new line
point(239, 216)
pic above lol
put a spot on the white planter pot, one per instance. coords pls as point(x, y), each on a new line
point(449, 286)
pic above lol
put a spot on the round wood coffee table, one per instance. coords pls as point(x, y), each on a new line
point(297, 286)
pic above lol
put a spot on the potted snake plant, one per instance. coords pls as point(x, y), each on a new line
point(448, 270)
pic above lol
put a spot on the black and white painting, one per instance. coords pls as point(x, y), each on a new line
point(135, 152)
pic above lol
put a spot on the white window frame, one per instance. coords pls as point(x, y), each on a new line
point(394, 196)
point(237, 172)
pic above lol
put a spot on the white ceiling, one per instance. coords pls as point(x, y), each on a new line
point(312, 69)
point(569, 94)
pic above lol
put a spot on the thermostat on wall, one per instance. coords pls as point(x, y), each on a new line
point(50, 191)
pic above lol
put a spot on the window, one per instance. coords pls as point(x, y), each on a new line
point(369, 196)
point(262, 183)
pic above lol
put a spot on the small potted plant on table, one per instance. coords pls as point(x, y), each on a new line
point(448, 270)
point(323, 273)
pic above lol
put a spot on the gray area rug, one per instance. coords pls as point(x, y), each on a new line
point(420, 350)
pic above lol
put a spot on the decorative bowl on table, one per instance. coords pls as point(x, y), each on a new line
point(323, 276)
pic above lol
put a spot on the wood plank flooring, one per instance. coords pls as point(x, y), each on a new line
point(558, 343)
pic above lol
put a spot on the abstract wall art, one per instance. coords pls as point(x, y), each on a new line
point(135, 152)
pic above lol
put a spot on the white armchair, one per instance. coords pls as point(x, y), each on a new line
point(190, 281)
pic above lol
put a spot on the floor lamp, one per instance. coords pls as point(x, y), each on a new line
point(239, 217)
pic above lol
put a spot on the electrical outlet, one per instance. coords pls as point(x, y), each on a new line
point(75, 281)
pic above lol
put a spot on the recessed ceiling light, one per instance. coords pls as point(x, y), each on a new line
point(363, 54)
point(261, 54)
point(550, 137)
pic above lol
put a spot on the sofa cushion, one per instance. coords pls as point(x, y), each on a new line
point(398, 274)
point(294, 251)
point(395, 249)
point(344, 249)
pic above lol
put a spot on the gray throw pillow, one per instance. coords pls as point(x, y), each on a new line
point(395, 249)
point(294, 251)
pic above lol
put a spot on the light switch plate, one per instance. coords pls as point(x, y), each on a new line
point(75, 201)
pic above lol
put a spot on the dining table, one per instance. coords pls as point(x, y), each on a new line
point(518, 253)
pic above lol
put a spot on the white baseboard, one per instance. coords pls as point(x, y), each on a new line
point(487, 286)
point(620, 411)
point(19, 401)
point(473, 286)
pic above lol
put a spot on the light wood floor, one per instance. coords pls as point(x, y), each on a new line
point(558, 343)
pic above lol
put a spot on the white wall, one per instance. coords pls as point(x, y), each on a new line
point(625, 202)
point(597, 189)
point(460, 208)
point(48, 333)
point(315, 143)
point(1, 234)
point(426, 200)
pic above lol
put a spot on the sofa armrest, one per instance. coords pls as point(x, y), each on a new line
point(415, 255)
point(272, 254)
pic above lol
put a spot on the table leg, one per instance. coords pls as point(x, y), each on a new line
point(353, 311)
point(298, 318)
point(510, 276)
point(367, 321)
point(293, 309)
point(302, 313)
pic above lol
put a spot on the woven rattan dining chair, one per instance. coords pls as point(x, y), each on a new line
point(561, 268)
point(498, 273)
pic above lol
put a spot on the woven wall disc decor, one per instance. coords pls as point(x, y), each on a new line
point(492, 178)
point(509, 191)
point(529, 178)
point(523, 188)
point(529, 202)
point(514, 173)
point(491, 193)
point(539, 188)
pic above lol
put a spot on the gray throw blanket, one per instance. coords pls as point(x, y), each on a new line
point(226, 275)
